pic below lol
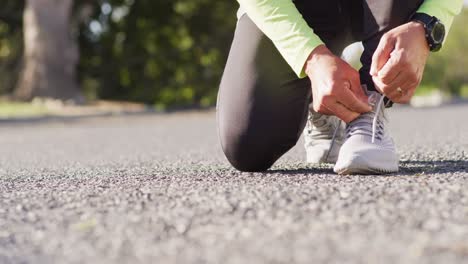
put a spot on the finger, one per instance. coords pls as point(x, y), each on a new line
point(378, 84)
point(406, 98)
point(386, 90)
point(408, 89)
point(396, 96)
point(356, 88)
point(400, 81)
point(322, 109)
point(382, 54)
point(351, 101)
point(389, 71)
point(343, 112)
point(318, 105)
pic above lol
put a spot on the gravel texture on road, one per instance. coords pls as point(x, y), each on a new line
point(157, 189)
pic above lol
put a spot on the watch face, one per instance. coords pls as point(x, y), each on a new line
point(438, 32)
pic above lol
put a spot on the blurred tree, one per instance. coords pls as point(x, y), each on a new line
point(11, 43)
point(50, 53)
point(165, 52)
point(448, 69)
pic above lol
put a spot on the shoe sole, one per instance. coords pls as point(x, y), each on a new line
point(365, 171)
point(359, 166)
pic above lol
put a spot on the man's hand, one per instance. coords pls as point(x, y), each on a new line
point(399, 61)
point(336, 87)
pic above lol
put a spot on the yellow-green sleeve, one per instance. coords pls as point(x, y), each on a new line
point(445, 10)
point(280, 21)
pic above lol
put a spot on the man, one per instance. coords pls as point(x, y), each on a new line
point(263, 102)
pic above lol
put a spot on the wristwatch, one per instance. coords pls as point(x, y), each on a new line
point(435, 30)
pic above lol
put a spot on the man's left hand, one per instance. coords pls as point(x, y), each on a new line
point(399, 60)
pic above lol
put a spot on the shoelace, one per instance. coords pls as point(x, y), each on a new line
point(333, 139)
point(377, 125)
point(379, 109)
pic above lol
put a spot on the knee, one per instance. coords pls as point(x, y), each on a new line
point(248, 158)
point(252, 153)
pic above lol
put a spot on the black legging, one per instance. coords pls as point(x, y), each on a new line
point(262, 106)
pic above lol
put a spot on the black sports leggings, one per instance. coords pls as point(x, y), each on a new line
point(262, 106)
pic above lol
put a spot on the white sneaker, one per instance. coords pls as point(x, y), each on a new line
point(368, 148)
point(323, 136)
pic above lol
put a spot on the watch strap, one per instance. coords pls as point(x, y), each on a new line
point(428, 22)
point(423, 18)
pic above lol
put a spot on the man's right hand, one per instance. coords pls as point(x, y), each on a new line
point(336, 86)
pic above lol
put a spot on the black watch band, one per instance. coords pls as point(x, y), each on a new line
point(434, 29)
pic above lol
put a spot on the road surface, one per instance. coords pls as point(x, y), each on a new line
point(157, 189)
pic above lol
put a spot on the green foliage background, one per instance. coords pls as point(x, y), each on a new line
point(165, 52)
point(11, 43)
point(448, 69)
point(171, 53)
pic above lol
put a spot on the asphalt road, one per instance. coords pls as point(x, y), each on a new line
point(156, 189)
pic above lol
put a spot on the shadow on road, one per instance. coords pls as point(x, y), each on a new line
point(412, 167)
point(301, 171)
point(407, 168)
